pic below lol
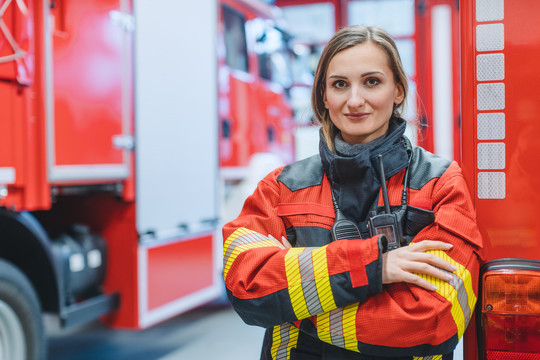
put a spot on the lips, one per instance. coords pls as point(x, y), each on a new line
point(356, 116)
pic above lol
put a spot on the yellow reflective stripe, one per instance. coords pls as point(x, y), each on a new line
point(241, 248)
point(349, 327)
point(235, 235)
point(466, 276)
point(431, 357)
point(276, 341)
point(284, 338)
point(338, 327)
point(293, 340)
point(323, 327)
point(322, 279)
point(294, 280)
point(451, 294)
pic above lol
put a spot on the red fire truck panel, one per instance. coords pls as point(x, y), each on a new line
point(91, 91)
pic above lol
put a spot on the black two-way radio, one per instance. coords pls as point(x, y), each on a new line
point(343, 228)
point(386, 223)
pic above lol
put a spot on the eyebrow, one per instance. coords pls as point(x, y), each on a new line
point(363, 75)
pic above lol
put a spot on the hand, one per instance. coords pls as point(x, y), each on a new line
point(284, 244)
point(402, 264)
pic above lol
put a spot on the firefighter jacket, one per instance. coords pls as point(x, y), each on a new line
point(324, 299)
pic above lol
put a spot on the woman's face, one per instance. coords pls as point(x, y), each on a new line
point(361, 92)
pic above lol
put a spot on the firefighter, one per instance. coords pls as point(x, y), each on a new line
point(399, 290)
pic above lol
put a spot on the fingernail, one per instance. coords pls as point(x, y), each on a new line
point(453, 267)
point(434, 288)
point(449, 246)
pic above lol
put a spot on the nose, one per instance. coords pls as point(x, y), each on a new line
point(356, 98)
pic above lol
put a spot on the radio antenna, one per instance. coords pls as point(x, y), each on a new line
point(383, 186)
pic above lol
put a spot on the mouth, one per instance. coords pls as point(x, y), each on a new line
point(356, 116)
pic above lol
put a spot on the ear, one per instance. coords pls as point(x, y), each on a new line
point(399, 95)
point(325, 101)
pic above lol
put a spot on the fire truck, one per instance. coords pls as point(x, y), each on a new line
point(119, 120)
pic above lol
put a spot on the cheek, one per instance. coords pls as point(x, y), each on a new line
point(333, 103)
point(386, 101)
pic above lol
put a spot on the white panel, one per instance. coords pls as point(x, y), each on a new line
point(490, 96)
point(489, 10)
point(67, 173)
point(491, 156)
point(491, 126)
point(7, 175)
point(490, 37)
point(491, 185)
point(176, 115)
point(443, 115)
point(490, 67)
point(375, 12)
point(311, 22)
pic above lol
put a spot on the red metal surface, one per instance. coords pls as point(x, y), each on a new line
point(179, 269)
point(22, 110)
point(16, 41)
point(88, 65)
point(509, 226)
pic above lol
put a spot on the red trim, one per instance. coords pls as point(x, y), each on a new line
point(305, 208)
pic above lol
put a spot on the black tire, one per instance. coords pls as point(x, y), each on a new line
point(22, 336)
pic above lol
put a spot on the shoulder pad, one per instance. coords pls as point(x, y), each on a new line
point(302, 174)
point(425, 166)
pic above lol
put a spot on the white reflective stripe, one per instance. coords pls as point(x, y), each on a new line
point(490, 67)
point(491, 185)
point(490, 96)
point(490, 37)
point(491, 126)
point(491, 156)
point(489, 10)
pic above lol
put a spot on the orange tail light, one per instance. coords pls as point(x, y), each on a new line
point(511, 310)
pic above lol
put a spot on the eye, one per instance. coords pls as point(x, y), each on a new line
point(339, 84)
point(372, 81)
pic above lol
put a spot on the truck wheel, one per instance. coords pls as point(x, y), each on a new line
point(21, 329)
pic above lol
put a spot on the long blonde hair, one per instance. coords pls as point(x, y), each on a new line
point(343, 39)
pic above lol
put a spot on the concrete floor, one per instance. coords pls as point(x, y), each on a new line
point(213, 332)
point(210, 332)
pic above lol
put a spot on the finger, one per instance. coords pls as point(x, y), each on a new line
point(276, 242)
point(424, 268)
point(431, 245)
point(286, 242)
point(418, 281)
point(433, 260)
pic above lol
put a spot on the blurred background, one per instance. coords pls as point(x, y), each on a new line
point(132, 130)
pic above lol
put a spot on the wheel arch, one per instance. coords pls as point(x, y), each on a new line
point(24, 243)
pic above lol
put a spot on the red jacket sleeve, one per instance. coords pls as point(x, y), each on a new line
point(269, 284)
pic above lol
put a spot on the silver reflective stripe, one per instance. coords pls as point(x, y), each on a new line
point(309, 287)
point(336, 327)
point(284, 335)
point(242, 240)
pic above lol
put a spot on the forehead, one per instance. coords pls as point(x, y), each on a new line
point(362, 57)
